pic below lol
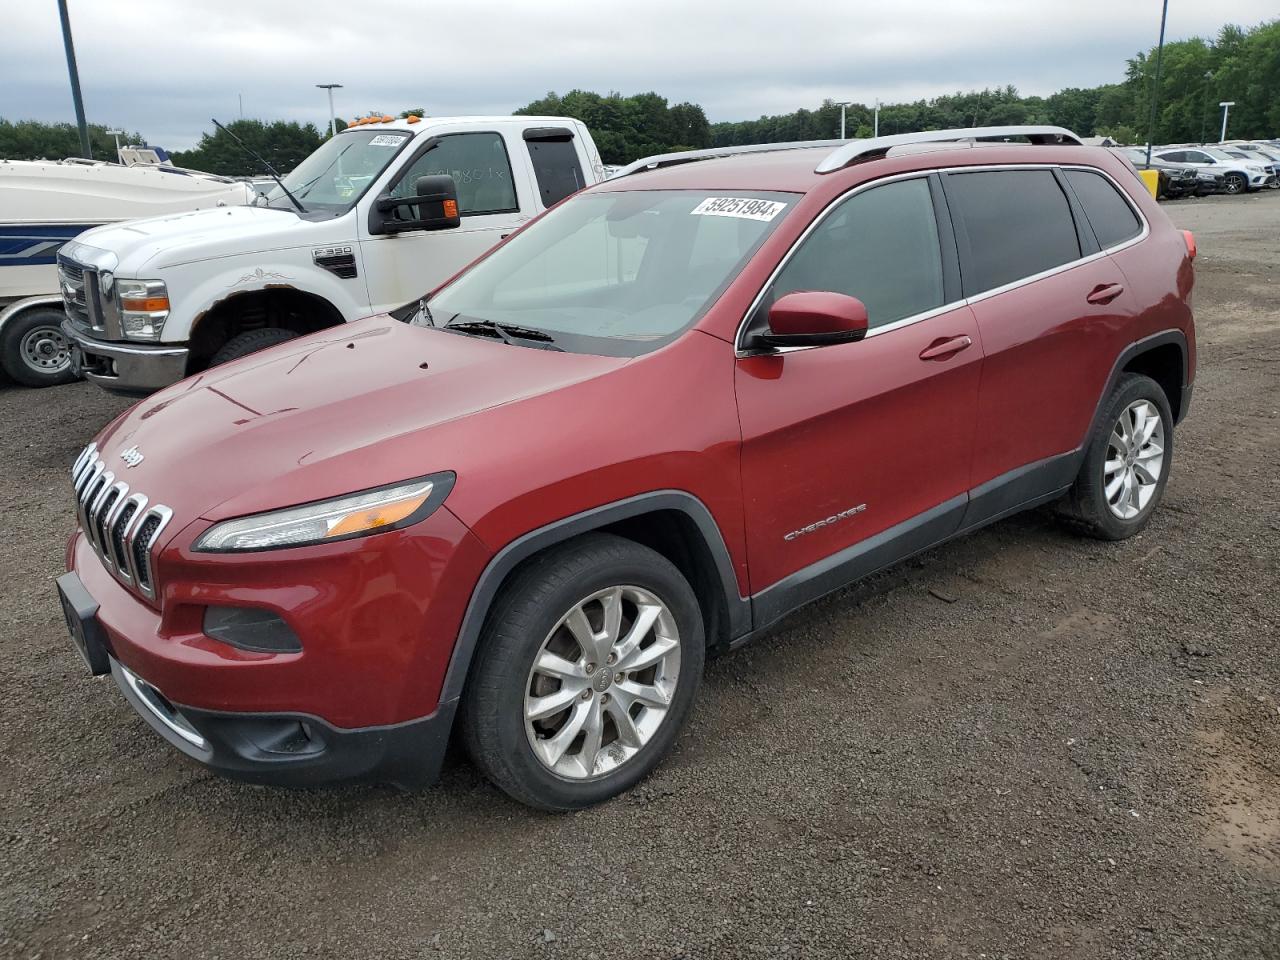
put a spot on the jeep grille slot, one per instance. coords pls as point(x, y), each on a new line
point(123, 528)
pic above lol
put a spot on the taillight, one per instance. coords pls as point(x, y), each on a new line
point(1190, 237)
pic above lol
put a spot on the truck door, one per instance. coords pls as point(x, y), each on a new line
point(402, 266)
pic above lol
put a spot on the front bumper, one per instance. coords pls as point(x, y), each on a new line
point(129, 368)
point(293, 750)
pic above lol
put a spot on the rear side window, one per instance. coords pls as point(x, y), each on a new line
point(1018, 224)
point(881, 246)
point(556, 167)
point(1110, 215)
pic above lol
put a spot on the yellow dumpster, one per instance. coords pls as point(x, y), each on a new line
point(1152, 179)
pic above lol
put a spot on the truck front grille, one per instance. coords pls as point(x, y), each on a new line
point(122, 527)
point(80, 296)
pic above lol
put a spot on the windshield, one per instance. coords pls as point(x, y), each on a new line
point(616, 273)
point(340, 170)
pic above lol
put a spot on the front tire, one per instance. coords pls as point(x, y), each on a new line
point(251, 341)
point(586, 672)
point(34, 351)
point(1127, 462)
point(1235, 183)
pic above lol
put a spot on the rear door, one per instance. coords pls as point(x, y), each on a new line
point(841, 443)
point(1049, 306)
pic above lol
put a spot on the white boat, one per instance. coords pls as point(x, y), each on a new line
point(43, 204)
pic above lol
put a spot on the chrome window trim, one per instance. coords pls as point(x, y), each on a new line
point(741, 353)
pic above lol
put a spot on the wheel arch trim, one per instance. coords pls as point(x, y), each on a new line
point(19, 307)
point(1129, 353)
point(522, 548)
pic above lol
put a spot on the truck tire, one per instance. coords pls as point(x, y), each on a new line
point(251, 341)
point(34, 351)
point(556, 670)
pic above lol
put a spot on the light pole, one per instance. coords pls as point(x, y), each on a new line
point(330, 87)
point(1155, 89)
point(1226, 106)
point(843, 104)
point(116, 134)
point(876, 129)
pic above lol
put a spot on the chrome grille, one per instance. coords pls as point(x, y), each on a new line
point(122, 527)
point(80, 298)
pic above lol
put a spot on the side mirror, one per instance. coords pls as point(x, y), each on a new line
point(435, 201)
point(810, 318)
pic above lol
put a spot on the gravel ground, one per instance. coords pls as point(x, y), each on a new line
point(1023, 744)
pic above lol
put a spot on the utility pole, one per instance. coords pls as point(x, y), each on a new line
point(876, 129)
point(75, 79)
point(1155, 89)
point(1204, 114)
point(332, 116)
point(843, 104)
point(1226, 106)
point(240, 97)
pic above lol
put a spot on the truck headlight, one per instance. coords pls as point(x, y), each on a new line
point(342, 518)
point(144, 307)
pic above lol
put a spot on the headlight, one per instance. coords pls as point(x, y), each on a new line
point(356, 515)
point(144, 307)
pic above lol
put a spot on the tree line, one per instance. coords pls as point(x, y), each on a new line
point(1239, 64)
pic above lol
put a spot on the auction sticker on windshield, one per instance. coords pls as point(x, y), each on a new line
point(387, 140)
point(744, 207)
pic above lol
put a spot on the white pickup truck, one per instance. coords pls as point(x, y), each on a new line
point(151, 301)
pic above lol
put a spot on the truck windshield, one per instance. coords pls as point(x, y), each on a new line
point(339, 171)
point(615, 273)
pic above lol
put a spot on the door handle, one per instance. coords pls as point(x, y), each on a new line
point(1105, 292)
point(946, 347)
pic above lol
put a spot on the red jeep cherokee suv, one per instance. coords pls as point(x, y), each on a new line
point(651, 423)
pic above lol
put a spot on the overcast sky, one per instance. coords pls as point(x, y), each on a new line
point(164, 67)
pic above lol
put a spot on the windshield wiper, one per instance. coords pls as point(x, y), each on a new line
point(270, 169)
point(504, 331)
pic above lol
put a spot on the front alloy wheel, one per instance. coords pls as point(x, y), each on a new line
point(585, 672)
point(602, 682)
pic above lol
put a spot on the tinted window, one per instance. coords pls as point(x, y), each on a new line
point(1110, 215)
point(555, 164)
point(880, 246)
point(479, 166)
point(1176, 156)
point(1018, 223)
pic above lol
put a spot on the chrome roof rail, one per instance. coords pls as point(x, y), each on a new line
point(688, 156)
point(855, 150)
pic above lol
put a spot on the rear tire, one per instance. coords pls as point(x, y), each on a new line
point(568, 705)
point(34, 351)
point(1126, 463)
point(251, 341)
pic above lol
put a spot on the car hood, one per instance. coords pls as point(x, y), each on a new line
point(178, 238)
point(324, 415)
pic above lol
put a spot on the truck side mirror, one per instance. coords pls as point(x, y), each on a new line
point(435, 201)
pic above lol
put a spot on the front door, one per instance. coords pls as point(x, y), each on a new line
point(857, 454)
point(402, 266)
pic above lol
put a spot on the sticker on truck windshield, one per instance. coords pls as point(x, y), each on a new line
point(744, 207)
point(386, 140)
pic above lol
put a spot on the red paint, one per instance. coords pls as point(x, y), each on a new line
point(901, 421)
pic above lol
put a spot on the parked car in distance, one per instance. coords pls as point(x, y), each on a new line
point(650, 424)
point(1238, 176)
point(1175, 181)
point(341, 239)
point(1261, 157)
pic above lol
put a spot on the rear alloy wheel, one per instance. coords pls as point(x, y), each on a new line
point(34, 351)
point(1235, 183)
point(1127, 461)
point(586, 672)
